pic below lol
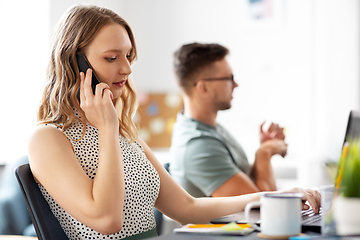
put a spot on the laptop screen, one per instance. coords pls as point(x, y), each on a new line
point(353, 126)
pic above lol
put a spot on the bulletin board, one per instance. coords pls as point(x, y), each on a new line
point(156, 116)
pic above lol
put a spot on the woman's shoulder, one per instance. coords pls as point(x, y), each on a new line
point(47, 134)
point(47, 129)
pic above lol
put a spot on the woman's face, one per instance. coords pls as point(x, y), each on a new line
point(108, 54)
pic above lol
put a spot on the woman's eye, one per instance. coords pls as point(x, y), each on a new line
point(111, 59)
point(130, 58)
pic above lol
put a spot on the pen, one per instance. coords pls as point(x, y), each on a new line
point(215, 225)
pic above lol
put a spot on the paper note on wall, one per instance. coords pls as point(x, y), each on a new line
point(156, 116)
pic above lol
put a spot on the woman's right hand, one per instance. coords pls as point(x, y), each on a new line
point(99, 108)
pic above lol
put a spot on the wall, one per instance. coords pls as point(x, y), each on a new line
point(299, 69)
point(26, 29)
point(58, 8)
point(24, 45)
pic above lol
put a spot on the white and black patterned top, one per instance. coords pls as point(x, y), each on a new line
point(142, 184)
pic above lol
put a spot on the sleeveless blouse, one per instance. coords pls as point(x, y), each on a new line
point(142, 184)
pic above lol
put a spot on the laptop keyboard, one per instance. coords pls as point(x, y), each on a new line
point(309, 217)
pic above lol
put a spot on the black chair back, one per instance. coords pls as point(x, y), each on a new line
point(157, 213)
point(46, 225)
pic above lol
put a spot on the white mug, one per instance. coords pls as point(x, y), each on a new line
point(280, 214)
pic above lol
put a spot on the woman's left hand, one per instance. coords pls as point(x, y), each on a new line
point(310, 195)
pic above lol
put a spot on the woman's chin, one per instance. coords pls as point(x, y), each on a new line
point(117, 93)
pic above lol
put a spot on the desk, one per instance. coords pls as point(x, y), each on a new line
point(15, 237)
point(190, 236)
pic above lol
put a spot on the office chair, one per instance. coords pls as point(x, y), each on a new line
point(46, 225)
point(14, 216)
point(157, 213)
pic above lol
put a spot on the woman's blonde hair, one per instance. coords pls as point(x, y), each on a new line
point(76, 30)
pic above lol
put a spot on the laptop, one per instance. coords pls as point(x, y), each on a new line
point(310, 221)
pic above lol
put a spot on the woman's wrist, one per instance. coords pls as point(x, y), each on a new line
point(109, 132)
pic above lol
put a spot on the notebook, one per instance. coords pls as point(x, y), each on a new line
point(310, 220)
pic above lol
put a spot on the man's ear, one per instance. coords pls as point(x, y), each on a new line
point(201, 87)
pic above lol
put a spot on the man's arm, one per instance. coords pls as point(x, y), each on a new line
point(238, 184)
point(261, 172)
point(210, 167)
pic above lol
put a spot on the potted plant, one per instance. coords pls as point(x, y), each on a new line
point(347, 203)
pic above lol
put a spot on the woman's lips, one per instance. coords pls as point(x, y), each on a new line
point(120, 84)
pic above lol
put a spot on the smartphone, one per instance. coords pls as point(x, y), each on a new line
point(84, 65)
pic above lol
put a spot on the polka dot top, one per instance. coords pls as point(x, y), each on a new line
point(142, 184)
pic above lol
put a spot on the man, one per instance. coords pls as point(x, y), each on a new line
point(207, 160)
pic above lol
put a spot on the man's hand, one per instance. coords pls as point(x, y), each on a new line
point(272, 147)
point(273, 132)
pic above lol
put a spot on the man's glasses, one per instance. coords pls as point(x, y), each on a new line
point(231, 78)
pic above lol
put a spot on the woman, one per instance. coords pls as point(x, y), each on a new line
point(99, 178)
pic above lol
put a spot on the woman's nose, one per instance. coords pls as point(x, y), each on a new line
point(125, 67)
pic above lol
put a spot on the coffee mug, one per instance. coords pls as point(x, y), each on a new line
point(280, 214)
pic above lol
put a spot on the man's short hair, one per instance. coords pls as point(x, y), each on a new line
point(191, 58)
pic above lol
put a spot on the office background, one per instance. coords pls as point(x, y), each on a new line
point(297, 64)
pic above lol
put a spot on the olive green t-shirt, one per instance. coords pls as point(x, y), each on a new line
point(203, 156)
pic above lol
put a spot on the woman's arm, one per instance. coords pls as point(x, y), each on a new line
point(98, 203)
point(176, 203)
